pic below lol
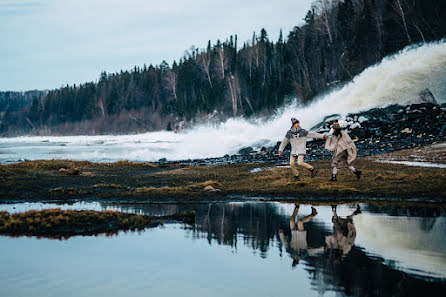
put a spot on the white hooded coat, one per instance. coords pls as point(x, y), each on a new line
point(340, 143)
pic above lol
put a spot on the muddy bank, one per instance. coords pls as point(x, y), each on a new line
point(62, 224)
point(66, 181)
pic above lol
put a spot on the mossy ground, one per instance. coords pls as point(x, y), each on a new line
point(57, 223)
point(129, 181)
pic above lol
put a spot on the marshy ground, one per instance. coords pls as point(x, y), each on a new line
point(59, 180)
point(58, 224)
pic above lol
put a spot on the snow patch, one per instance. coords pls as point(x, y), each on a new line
point(411, 163)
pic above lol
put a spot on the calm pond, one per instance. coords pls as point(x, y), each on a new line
point(238, 249)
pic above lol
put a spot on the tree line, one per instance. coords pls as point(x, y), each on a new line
point(337, 40)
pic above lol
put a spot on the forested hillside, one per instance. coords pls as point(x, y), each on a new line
point(337, 41)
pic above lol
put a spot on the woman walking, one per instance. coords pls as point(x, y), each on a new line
point(344, 151)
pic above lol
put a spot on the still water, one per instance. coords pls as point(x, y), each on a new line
point(249, 249)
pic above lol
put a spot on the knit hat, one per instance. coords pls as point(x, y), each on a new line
point(294, 121)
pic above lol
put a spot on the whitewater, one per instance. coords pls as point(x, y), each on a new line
point(397, 79)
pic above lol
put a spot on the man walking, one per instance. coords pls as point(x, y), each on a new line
point(344, 151)
point(298, 139)
point(297, 246)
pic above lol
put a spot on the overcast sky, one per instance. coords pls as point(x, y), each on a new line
point(45, 44)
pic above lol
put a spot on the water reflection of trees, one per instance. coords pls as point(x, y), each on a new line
point(361, 275)
point(256, 225)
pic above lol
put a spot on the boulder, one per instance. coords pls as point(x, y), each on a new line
point(246, 150)
point(426, 96)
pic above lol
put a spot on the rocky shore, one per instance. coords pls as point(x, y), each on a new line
point(377, 131)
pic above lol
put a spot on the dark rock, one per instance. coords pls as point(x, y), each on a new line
point(426, 96)
point(379, 133)
point(326, 122)
point(246, 150)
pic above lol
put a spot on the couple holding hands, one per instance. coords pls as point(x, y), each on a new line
point(339, 142)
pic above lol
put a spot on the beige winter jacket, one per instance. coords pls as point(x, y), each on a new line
point(298, 139)
point(341, 142)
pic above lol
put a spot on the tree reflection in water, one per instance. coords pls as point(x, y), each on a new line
point(327, 251)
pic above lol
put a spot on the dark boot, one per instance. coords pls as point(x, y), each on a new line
point(358, 210)
point(333, 178)
point(358, 174)
point(313, 172)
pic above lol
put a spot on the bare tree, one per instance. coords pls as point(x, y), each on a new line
point(299, 53)
point(100, 104)
point(204, 60)
point(398, 6)
point(233, 94)
point(222, 60)
point(323, 9)
point(248, 58)
point(249, 104)
point(419, 31)
point(170, 77)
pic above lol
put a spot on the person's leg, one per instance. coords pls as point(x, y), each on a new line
point(335, 214)
point(283, 239)
point(293, 217)
point(353, 170)
point(300, 162)
point(357, 211)
point(293, 165)
point(300, 223)
point(334, 164)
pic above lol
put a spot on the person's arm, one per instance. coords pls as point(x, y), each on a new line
point(283, 239)
point(316, 251)
point(330, 241)
point(284, 143)
point(316, 135)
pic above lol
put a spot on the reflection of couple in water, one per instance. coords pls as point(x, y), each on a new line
point(338, 244)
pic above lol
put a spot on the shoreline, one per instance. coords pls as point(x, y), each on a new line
point(132, 182)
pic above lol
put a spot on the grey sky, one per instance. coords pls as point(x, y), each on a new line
point(45, 44)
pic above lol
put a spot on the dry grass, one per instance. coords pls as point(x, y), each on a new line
point(63, 222)
point(49, 164)
point(57, 223)
point(66, 166)
point(113, 186)
point(130, 163)
point(69, 191)
point(130, 180)
point(186, 189)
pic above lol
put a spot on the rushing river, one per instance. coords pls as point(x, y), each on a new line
point(238, 249)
